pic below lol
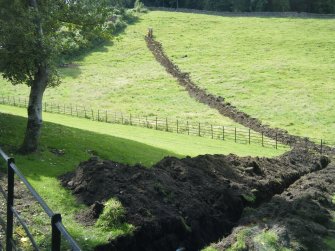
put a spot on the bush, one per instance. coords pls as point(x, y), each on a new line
point(139, 7)
point(112, 216)
point(281, 5)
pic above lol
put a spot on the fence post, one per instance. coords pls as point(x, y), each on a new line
point(199, 133)
point(106, 117)
point(71, 109)
point(276, 140)
point(45, 106)
point(77, 111)
point(212, 132)
point(249, 136)
point(177, 126)
point(188, 128)
point(156, 123)
point(98, 115)
point(235, 135)
point(10, 203)
point(14, 101)
point(262, 138)
point(166, 125)
point(64, 109)
point(222, 132)
point(56, 235)
point(321, 148)
point(146, 121)
point(85, 113)
point(58, 109)
point(25, 102)
point(92, 114)
point(130, 120)
point(121, 118)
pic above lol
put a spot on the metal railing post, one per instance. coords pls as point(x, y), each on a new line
point(10, 203)
point(56, 234)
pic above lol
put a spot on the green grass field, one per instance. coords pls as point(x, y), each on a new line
point(277, 69)
point(280, 70)
point(76, 137)
point(123, 76)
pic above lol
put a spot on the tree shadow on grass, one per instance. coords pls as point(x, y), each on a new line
point(62, 149)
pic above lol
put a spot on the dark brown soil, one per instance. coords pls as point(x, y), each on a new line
point(186, 203)
point(225, 108)
point(301, 216)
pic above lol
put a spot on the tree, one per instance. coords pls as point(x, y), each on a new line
point(32, 35)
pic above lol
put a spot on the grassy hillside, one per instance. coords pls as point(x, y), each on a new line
point(280, 70)
point(123, 76)
point(77, 138)
point(277, 69)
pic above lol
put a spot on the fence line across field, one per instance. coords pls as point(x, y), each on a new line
point(238, 135)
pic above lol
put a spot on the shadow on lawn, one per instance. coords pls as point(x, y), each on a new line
point(73, 146)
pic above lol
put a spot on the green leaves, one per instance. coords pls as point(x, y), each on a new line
point(31, 36)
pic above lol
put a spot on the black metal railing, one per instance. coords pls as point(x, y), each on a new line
point(57, 228)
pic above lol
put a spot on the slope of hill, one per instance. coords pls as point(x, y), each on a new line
point(279, 70)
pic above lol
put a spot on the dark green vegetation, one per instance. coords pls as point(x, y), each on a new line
point(314, 6)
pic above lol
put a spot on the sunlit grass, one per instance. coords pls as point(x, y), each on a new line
point(280, 70)
point(77, 138)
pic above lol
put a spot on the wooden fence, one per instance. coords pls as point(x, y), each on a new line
point(217, 132)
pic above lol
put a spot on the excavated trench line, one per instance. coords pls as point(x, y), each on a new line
point(224, 108)
point(188, 202)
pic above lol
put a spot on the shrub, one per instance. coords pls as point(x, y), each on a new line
point(139, 7)
point(112, 216)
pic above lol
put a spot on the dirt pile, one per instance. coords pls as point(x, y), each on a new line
point(225, 108)
point(300, 218)
point(190, 202)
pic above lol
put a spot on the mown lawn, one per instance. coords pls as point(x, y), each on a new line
point(77, 138)
point(280, 70)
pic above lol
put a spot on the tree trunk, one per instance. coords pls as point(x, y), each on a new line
point(35, 109)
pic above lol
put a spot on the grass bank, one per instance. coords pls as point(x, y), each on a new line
point(77, 138)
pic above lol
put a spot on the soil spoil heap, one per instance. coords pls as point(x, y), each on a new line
point(185, 203)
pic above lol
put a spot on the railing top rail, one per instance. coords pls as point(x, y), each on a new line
point(67, 236)
point(46, 208)
point(4, 155)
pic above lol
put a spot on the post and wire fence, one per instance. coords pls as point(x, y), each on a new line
point(58, 230)
point(217, 132)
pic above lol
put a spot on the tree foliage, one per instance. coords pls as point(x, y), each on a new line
point(315, 6)
point(36, 34)
point(65, 24)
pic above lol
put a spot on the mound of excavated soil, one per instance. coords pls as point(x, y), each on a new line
point(301, 217)
point(185, 202)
